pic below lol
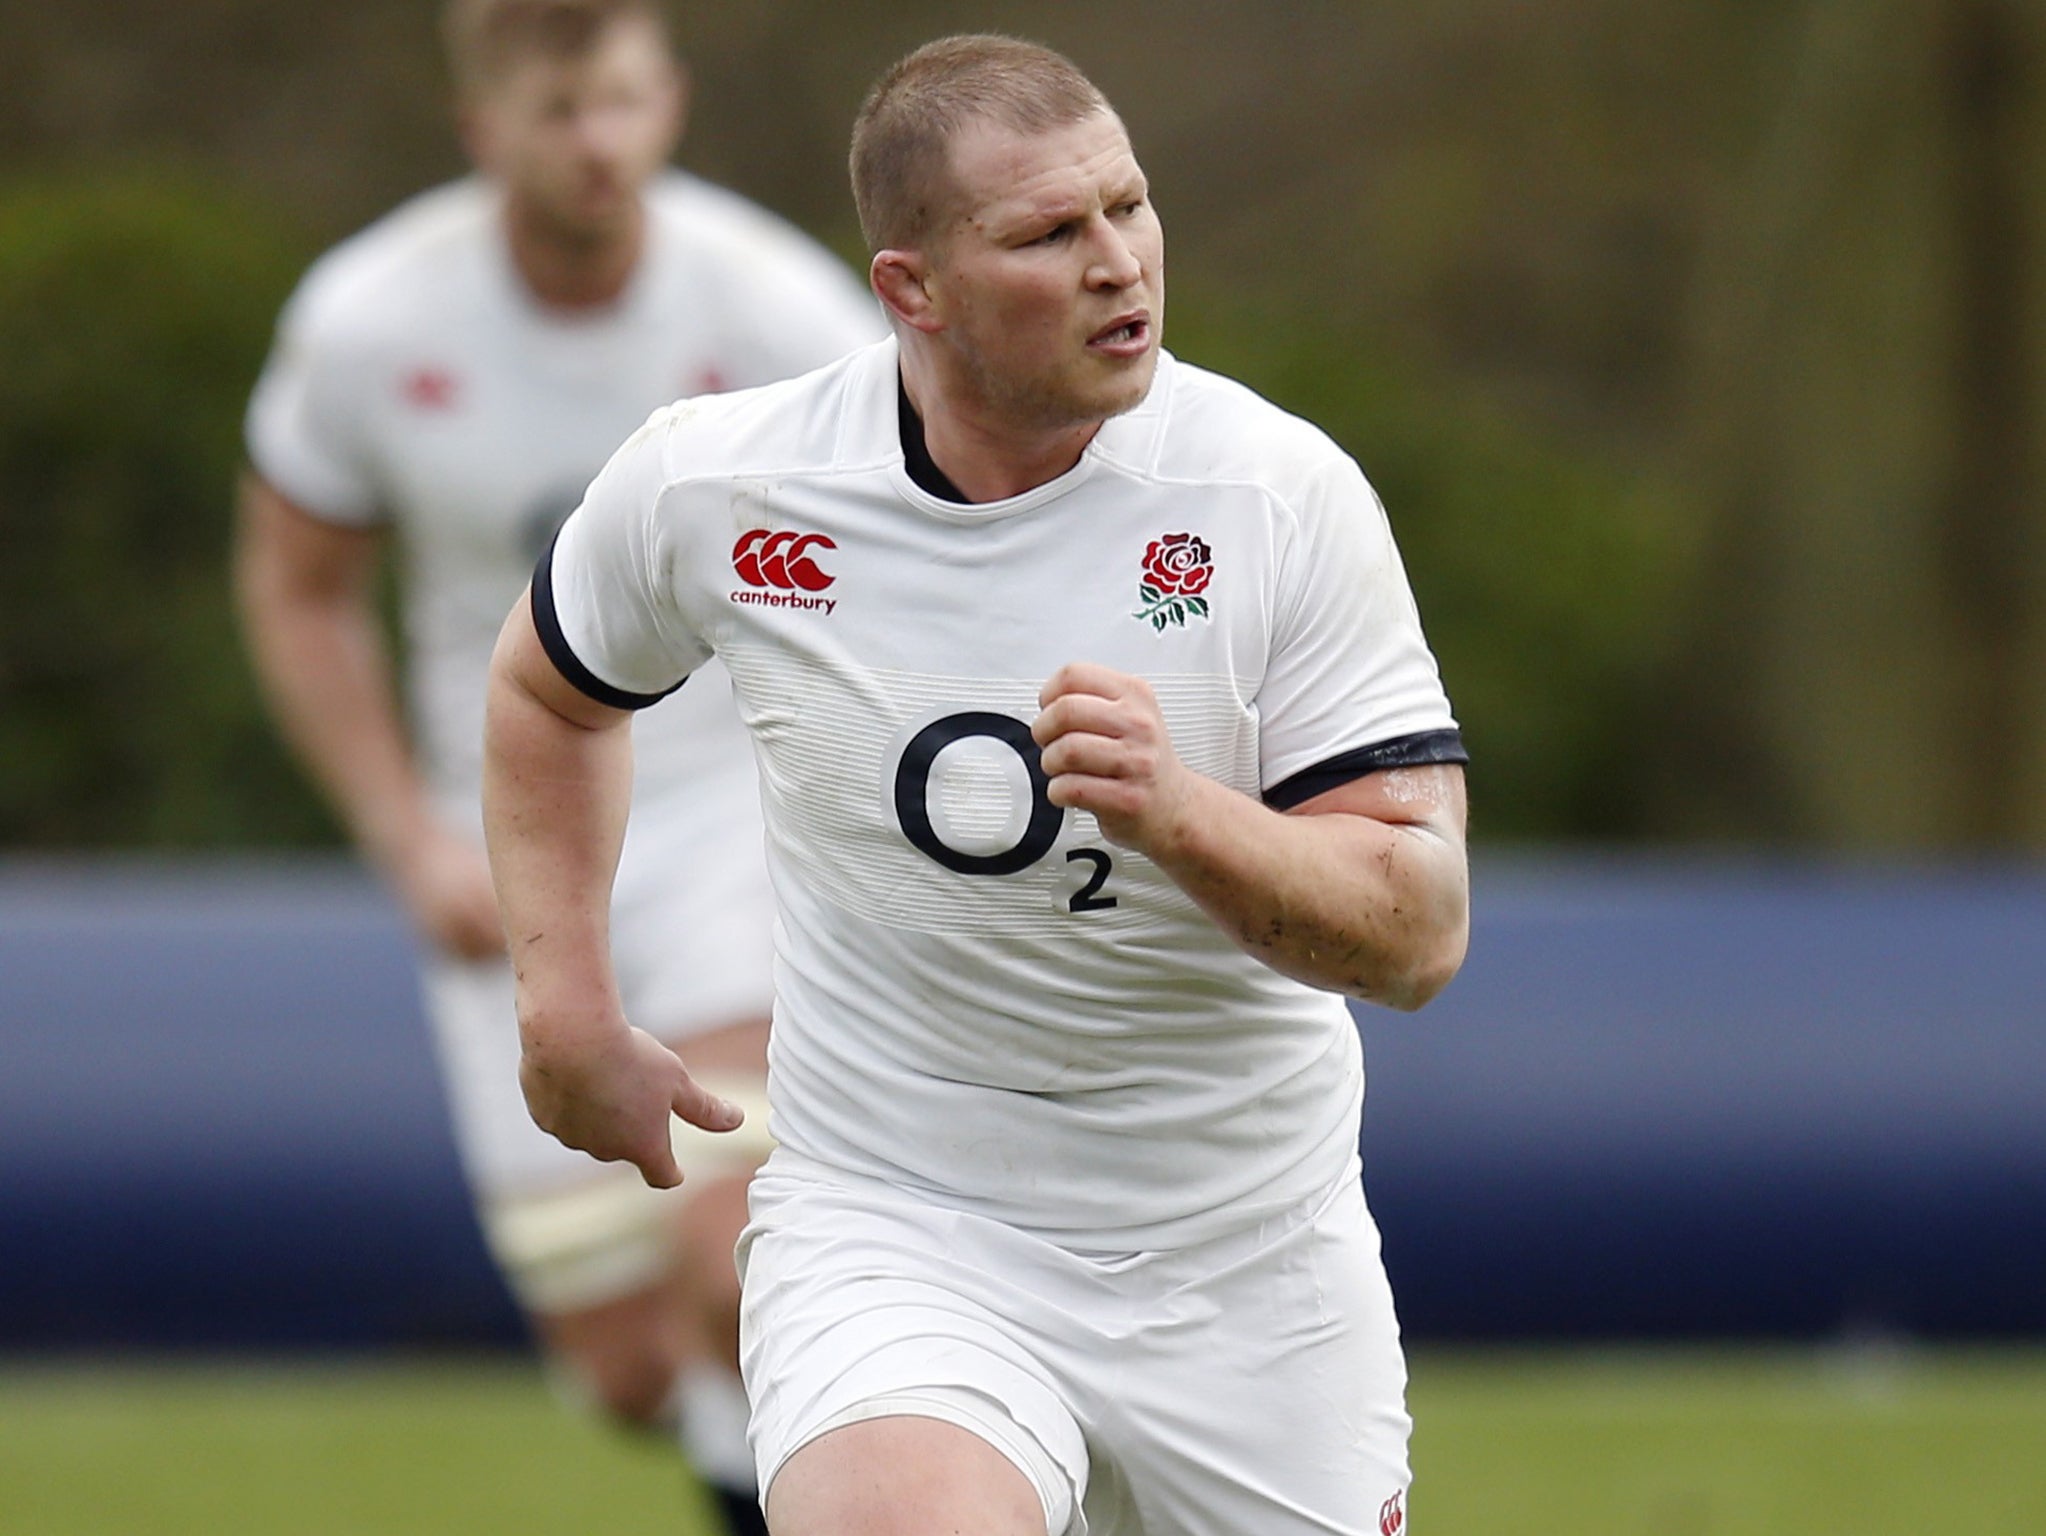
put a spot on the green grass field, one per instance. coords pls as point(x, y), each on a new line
point(1509, 1444)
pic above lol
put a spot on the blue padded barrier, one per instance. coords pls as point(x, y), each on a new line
point(1663, 1100)
point(219, 1117)
point(1697, 1100)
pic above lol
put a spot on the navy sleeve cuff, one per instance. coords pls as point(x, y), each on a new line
point(565, 660)
point(1414, 751)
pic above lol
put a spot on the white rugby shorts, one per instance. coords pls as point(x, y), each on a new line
point(1251, 1384)
point(693, 944)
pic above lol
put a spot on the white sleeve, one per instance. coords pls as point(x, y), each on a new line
point(603, 595)
point(1351, 685)
point(306, 427)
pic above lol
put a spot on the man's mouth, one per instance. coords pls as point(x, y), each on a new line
point(1131, 333)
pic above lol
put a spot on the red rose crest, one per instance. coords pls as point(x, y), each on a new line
point(1177, 570)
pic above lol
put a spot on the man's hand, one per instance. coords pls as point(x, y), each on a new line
point(612, 1095)
point(444, 880)
point(557, 786)
point(1362, 890)
point(1106, 750)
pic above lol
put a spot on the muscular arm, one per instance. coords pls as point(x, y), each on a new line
point(1362, 890)
point(557, 785)
point(306, 594)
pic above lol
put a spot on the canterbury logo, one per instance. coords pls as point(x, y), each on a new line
point(781, 560)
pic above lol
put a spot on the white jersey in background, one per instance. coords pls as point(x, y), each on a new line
point(417, 384)
point(979, 998)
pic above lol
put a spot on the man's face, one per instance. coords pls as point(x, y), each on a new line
point(574, 140)
point(1050, 278)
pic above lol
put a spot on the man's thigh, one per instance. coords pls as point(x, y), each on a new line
point(864, 1307)
point(939, 1478)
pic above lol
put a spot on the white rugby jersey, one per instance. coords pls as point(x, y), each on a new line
point(978, 996)
point(415, 381)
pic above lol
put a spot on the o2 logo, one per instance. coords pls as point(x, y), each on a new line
point(1040, 833)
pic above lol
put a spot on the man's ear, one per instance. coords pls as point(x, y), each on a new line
point(902, 281)
point(683, 85)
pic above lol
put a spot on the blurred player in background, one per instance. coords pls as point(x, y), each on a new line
point(448, 381)
point(1102, 750)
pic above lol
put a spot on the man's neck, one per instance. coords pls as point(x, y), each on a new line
point(983, 458)
point(569, 273)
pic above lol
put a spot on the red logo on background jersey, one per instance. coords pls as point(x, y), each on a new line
point(707, 380)
point(1392, 1515)
point(430, 389)
point(781, 560)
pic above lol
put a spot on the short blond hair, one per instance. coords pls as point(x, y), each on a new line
point(484, 38)
point(902, 138)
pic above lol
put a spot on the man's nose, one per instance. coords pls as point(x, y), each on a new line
point(601, 132)
point(1115, 263)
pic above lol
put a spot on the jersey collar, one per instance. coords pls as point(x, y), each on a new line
point(927, 486)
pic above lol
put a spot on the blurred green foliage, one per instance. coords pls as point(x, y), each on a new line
point(134, 314)
point(135, 309)
point(1697, 350)
point(1553, 585)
